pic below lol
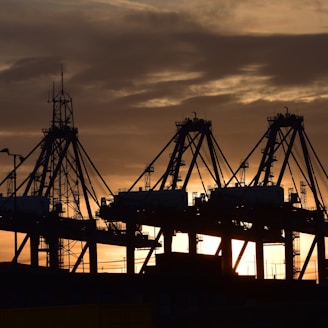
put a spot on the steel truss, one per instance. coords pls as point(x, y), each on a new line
point(63, 179)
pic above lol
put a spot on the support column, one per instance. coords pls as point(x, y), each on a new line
point(289, 254)
point(168, 237)
point(130, 247)
point(93, 257)
point(226, 255)
point(34, 249)
point(53, 243)
point(321, 257)
point(192, 240)
point(259, 259)
point(226, 249)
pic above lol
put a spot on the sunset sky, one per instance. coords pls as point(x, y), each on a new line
point(134, 68)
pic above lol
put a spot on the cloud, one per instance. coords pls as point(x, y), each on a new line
point(133, 69)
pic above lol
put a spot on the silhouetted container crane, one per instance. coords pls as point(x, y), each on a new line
point(288, 158)
point(63, 180)
point(195, 153)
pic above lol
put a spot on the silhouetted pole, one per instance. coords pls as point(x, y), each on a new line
point(14, 176)
point(15, 204)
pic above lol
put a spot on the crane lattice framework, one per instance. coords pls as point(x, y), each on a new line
point(60, 198)
point(252, 212)
point(194, 154)
point(288, 158)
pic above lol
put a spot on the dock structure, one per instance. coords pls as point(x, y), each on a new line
point(57, 201)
